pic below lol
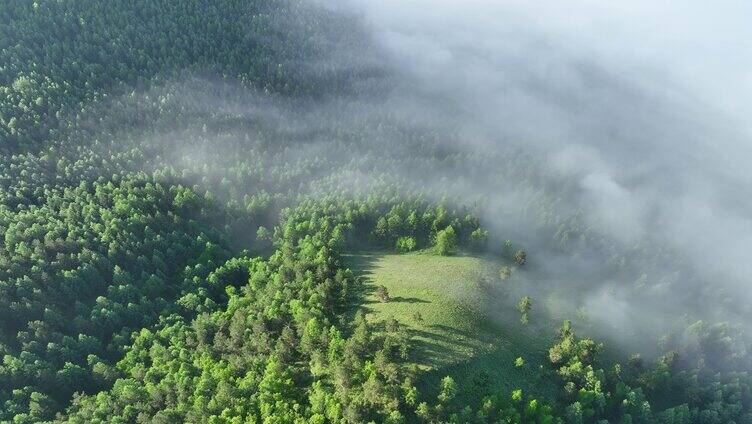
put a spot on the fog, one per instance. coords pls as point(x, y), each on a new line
point(641, 107)
point(609, 141)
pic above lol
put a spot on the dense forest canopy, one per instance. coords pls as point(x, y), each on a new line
point(192, 194)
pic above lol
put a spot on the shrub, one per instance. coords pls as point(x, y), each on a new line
point(383, 293)
point(406, 244)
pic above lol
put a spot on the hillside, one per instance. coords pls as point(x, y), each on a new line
point(304, 211)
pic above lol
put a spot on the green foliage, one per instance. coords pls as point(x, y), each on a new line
point(60, 57)
point(448, 390)
point(590, 395)
point(166, 258)
point(408, 225)
point(382, 293)
point(119, 254)
point(506, 249)
point(479, 239)
point(276, 332)
point(406, 244)
point(505, 272)
point(465, 340)
point(524, 305)
point(446, 241)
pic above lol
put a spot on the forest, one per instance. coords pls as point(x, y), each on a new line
point(245, 211)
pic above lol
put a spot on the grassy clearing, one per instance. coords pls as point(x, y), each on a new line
point(468, 329)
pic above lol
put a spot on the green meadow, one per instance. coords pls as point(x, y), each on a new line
point(460, 321)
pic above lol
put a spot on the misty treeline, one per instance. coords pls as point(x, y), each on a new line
point(179, 182)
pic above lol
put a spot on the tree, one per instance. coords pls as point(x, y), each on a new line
point(395, 417)
point(524, 306)
point(418, 317)
point(382, 228)
point(520, 257)
point(479, 239)
point(446, 241)
point(263, 235)
point(383, 293)
point(506, 249)
point(505, 272)
point(410, 392)
point(448, 390)
point(41, 406)
point(275, 402)
point(423, 411)
point(406, 244)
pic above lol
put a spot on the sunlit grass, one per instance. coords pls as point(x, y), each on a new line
point(456, 335)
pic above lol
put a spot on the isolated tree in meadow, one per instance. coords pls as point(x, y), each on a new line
point(383, 293)
point(520, 257)
point(524, 306)
point(446, 241)
point(418, 317)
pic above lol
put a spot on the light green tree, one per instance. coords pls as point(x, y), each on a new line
point(446, 241)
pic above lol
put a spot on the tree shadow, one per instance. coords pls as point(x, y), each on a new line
point(430, 347)
point(362, 265)
point(402, 299)
point(492, 370)
point(482, 359)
